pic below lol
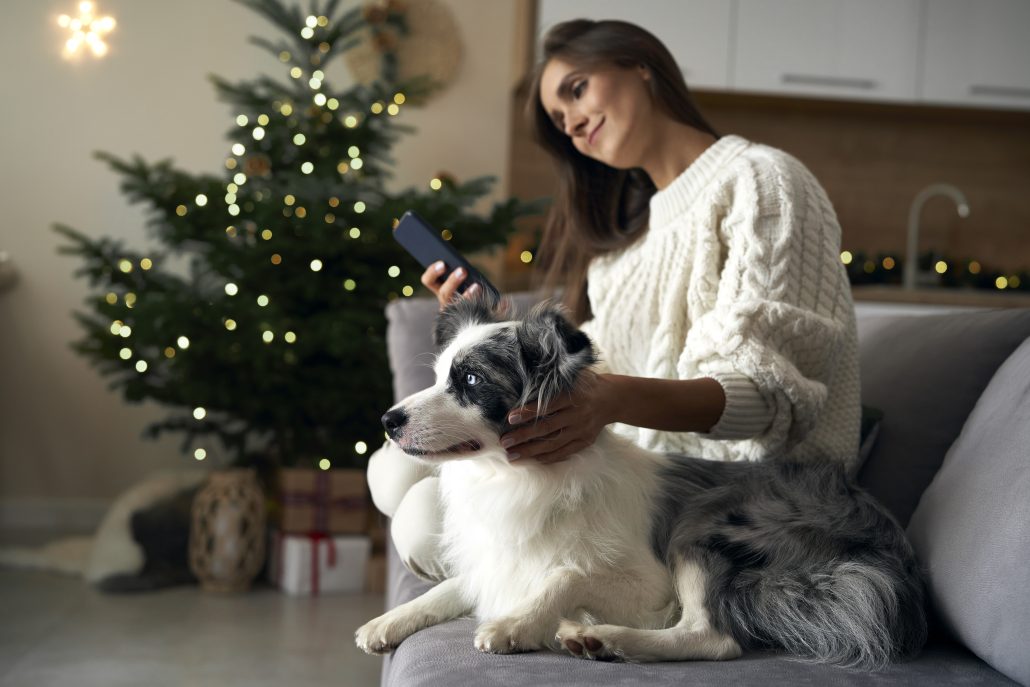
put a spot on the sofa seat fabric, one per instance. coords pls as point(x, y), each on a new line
point(444, 655)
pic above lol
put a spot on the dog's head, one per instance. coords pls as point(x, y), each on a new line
point(487, 367)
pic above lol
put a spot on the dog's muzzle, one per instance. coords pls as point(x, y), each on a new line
point(394, 422)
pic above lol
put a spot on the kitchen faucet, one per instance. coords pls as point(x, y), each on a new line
point(914, 212)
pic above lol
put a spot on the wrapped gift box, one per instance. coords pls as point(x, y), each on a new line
point(328, 501)
point(312, 564)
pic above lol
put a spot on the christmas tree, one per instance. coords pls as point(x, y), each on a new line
point(272, 339)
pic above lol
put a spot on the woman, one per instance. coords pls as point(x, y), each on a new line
point(705, 269)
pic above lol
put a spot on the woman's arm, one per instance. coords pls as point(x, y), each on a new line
point(669, 405)
point(574, 420)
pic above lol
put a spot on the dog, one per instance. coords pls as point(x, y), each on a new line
point(620, 553)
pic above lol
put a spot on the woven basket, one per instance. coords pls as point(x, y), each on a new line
point(227, 534)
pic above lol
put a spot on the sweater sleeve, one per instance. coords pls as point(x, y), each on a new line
point(771, 337)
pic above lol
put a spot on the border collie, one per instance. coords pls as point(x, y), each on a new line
point(623, 553)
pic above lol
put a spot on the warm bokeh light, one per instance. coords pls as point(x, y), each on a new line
point(87, 30)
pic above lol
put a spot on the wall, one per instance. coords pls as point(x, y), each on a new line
point(68, 444)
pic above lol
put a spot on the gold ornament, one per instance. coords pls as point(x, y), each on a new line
point(257, 165)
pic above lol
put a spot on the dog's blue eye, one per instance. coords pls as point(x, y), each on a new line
point(471, 380)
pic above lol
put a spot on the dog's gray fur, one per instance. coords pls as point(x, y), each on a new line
point(797, 556)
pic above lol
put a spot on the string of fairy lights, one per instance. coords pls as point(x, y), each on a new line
point(940, 267)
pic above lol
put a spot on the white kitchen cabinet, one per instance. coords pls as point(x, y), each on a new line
point(977, 53)
point(846, 49)
point(697, 32)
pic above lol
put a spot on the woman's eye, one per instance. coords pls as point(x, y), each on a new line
point(577, 90)
point(471, 379)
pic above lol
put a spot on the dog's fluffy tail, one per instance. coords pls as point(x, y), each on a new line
point(861, 613)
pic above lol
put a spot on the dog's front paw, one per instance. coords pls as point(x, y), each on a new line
point(381, 635)
point(507, 636)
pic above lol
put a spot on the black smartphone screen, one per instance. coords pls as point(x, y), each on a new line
point(425, 244)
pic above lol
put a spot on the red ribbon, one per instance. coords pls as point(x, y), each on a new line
point(316, 539)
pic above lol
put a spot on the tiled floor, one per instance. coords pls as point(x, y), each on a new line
point(56, 630)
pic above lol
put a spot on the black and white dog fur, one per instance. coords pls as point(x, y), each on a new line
point(623, 553)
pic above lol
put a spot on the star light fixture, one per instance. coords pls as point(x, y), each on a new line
point(88, 29)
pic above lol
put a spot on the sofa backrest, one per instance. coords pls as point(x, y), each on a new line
point(926, 373)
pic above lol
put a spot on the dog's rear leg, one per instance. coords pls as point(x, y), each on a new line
point(383, 634)
point(692, 638)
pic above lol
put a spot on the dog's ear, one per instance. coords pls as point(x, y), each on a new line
point(553, 351)
point(459, 314)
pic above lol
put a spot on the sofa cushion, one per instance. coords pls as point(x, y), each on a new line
point(971, 529)
point(925, 373)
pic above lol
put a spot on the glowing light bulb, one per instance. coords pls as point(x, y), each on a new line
point(87, 29)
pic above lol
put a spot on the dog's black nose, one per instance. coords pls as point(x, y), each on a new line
point(394, 422)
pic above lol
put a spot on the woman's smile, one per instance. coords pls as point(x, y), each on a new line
point(593, 134)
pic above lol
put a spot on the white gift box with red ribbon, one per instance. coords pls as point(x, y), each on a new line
point(317, 563)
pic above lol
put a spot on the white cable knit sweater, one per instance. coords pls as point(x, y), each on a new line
point(738, 278)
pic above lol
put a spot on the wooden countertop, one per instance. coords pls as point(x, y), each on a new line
point(973, 297)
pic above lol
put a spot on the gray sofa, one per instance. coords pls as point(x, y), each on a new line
point(950, 457)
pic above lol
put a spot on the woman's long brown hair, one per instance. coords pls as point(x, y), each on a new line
point(598, 209)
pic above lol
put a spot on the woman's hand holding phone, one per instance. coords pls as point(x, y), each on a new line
point(447, 289)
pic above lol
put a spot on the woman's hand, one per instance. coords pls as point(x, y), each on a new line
point(446, 290)
point(572, 423)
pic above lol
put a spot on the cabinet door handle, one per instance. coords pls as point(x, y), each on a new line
point(1003, 91)
point(832, 81)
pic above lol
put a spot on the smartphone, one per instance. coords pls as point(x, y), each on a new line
point(426, 245)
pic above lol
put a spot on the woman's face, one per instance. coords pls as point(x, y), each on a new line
point(604, 110)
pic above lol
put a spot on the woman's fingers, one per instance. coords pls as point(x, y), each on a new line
point(444, 289)
point(450, 287)
point(563, 452)
point(431, 277)
point(545, 429)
